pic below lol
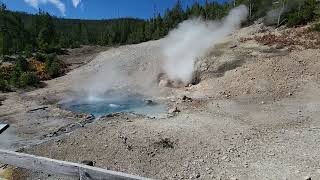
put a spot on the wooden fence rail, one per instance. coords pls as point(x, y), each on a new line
point(63, 168)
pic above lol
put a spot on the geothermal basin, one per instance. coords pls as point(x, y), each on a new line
point(101, 106)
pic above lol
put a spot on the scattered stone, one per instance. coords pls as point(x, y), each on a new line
point(129, 147)
point(165, 143)
point(262, 102)
point(176, 84)
point(149, 102)
point(81, 124)
point(164, 83)
point(87, 162)
point(186, 98)
point(197, 175)
point(233, 178)
point(233, 46)
point(224, 158)
point(226, 94)
point(271, 154)
point(89, 117)
point(307, 178)
point(111, 115)
point(124, 139)
point(290, 93)
point(174, 110)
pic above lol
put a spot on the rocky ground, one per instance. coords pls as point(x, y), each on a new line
point(254, 114)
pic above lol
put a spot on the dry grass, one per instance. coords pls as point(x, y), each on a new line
point(39, 68)
point(293, 39)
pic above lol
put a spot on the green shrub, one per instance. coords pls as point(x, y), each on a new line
point(54, 66)
point(4, 85)
point(22, 64)
point(303, 14)
point(29, 79)
point(75, 45)
point(295, 19)
point(28, 51)
point(51, 57)
point(8, 59)
point(15, 77)
point(316, 27)
point(54, 69)
point(40, 57)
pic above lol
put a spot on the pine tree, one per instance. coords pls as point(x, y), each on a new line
point(84, 36)
point(2, 46)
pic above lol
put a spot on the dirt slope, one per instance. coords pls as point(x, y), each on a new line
point(254, 115)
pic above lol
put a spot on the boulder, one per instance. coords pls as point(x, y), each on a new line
point(174, 110)
point(149, 102)
point(186, 98)
point(164, 83)
point(87, 162)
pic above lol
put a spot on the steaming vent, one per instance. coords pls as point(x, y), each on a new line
point(190, 41)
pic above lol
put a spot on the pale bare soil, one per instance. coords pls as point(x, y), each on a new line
point(254, 115)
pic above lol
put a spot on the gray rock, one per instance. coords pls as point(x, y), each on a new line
point(197, 175)
point(307, 178)
point(164, 83)
point(186, 98)
point(149, 102)
point(87, 162)
point(89, 117)
point(174, 110)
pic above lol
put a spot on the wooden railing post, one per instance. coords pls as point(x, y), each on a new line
point(63, 168)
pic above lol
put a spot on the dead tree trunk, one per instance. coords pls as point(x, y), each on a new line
point(281, 12)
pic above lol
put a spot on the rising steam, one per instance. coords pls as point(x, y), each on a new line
point(135, 69)
point(192, 38)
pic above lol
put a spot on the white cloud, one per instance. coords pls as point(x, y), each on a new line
point(76, 3)
point(57, 3)
point(33, 3)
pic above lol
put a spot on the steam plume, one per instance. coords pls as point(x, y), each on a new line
point(192, 38)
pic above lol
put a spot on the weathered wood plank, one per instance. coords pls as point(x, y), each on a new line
point(37, 109)
point(57, 167)
point(3, 127)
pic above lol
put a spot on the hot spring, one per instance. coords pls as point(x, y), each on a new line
point(100, 106)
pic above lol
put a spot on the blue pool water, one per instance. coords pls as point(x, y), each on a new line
point(104, 106)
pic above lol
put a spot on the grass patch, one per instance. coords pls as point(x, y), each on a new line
point(6, 173)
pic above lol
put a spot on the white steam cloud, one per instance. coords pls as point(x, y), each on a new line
point(57, 3)
point(76, 3)
point(192, 38)
point(136, 69)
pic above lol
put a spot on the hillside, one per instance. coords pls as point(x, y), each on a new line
point(230, 95)
point(253, 115)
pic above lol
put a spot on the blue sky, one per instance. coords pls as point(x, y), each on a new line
point(95, 9)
